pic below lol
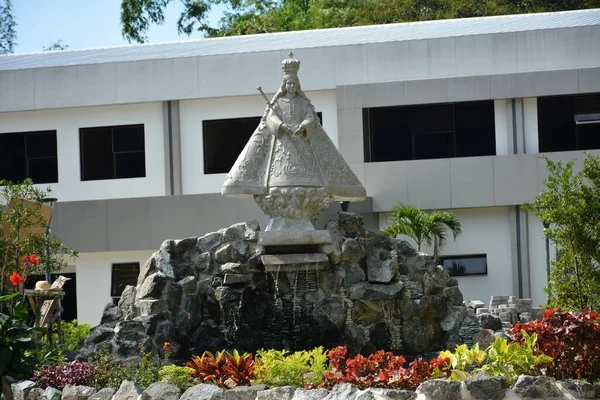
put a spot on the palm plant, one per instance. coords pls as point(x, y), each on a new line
point(430, 228)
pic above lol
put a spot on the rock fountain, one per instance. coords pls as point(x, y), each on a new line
point(291, 286)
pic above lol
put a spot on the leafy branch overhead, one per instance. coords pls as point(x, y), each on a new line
point(243, 17)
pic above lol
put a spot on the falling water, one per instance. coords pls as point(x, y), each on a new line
point(388, 316)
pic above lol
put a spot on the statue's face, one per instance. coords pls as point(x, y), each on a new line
point(291, 86)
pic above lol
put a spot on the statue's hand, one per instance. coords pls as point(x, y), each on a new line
point(299, 129)
point(285, 128)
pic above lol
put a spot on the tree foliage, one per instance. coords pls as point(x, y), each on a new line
point(244, 17)
point(8, 34)
point(58, 45)
point(570, 204)
point(424, 227)
point(22, 212)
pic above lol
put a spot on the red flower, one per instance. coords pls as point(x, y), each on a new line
point(167, 346)
point(15, 278)
point(30, 259)
point(34, 260)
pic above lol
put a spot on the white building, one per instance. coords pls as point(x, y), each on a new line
point(135, 140)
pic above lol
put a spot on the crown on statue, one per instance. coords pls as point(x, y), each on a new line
point(290, 65)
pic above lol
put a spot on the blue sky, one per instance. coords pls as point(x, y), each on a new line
point(85, 24)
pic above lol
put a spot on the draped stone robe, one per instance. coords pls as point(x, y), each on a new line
point(273, 158)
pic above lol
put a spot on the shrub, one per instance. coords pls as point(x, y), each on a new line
point(108, 372)
point(380, 369)
point(58, 376)
point(74, 333)
point(281, 368)
point(176, 375)
point(572, 339)
point(223, 369)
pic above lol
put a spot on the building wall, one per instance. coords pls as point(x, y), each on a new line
point(193, 112)
point(67, 122)
point(94, 278)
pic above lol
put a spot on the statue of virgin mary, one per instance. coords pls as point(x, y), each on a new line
point(289, 165)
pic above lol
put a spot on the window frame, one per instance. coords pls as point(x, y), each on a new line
point(25, 135)
point(113, 277)
point(443, 258)
point(114, 153)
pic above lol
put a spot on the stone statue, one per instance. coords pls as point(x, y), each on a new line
point(289, 165)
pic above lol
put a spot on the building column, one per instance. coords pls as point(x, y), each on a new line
point(172, 147)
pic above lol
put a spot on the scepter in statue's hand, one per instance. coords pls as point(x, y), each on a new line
point(264, 97)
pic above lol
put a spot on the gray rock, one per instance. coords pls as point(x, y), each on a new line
point(536, 387)
point(278, 393)
point(403, 248)
point(7, 381)
point(153, 286)
point(175, 297)
point(204, 392)
point(163, 259)
point(99, 334)
point(224, 254)
point(127, 302)
point(453, 295)
point(314, 394)
point(345, 391)
point(111, 315)
point(51, 394)
point(234, 232)
point(419, 262)
point(386, 394)
point(438, 389)
point(78, 392)
point(235, 279)
point(147, 269)
point(352, 251)
point(161, 391)
point(577, 389)
point(104, 394)
point(489, 321)
point(233, 268)
point(353, 274)
point(370, 291)
point(244, 392)
point(454, 318)
point(382, 266)
point(20, 390)
point(208, 242)
point(36, 394)
point(486, 387)
point(188, 284)
point(415, 335)
point(128, 391)
point(151, 307)
point(240, 251)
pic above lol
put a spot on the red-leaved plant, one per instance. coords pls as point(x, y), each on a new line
point(572, 339)
point(380, 369)
point(223, 369)
point(58, 376)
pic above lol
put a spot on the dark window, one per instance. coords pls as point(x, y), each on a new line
point(29, 155)
point(473, 264)
point(69, 302)
point(123, 274)
point(112, 152)
point(429, 131)
point(224, 140)
point(569, 123)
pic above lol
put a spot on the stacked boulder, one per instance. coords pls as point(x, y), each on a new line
point(213, 292)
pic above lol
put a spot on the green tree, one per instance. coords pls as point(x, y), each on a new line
point(263, 16)
point(22, 233)
point(8, 35)
point(570, 204)
point(58, 45)
point(430, 228)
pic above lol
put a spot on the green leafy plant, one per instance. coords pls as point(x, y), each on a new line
point(177, 375)
point(464, 360)
point(572, 339)
point(108, 372)
point(16, 341)
point(224, 369)
point(514, 359)
point(570, 206)
point(424, 227)
point(73, 332)
point(281, 368)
